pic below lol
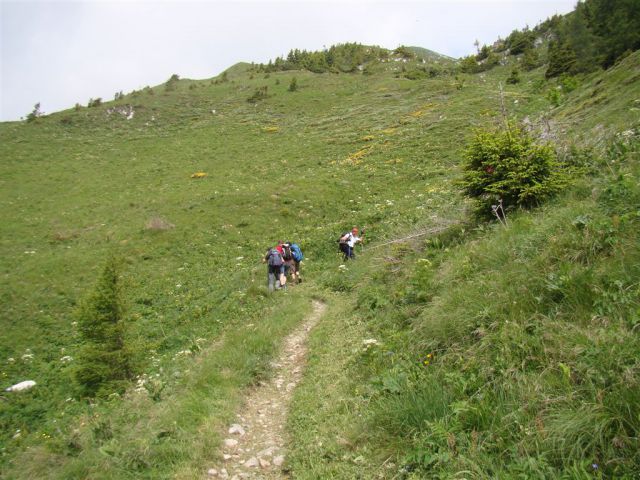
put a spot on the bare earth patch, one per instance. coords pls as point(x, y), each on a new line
point(254, 446)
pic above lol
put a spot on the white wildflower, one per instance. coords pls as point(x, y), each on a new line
point(182, 353)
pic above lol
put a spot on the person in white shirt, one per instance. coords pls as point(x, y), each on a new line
point(348, 242)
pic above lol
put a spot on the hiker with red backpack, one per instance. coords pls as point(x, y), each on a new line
point(347, 243)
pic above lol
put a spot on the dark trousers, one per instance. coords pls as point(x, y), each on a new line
point(348, 251)
point(273, 276)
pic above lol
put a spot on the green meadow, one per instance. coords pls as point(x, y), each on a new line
point(499, 352)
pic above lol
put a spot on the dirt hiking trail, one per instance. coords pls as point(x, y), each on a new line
point(254, 446)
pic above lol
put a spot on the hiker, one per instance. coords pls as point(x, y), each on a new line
point(283, 268)
point(293, 256)
point(289, 265)
point(347, 243)
point(275, 269)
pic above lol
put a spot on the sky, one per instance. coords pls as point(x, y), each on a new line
point(60, 52)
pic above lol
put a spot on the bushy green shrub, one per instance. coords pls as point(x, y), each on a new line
point(172, 83)
point(554, 96)
point(505, 164)
point(260, 93)
point(469, 64)
point(104, 363)
point(514, 78)
point(568, 83)
point(293, 85)
point(416, 74)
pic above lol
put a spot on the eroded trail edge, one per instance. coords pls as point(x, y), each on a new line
point(254, 446)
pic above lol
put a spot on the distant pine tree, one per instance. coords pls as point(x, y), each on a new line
point(172, 83)
point(617, 24)
point(562, 59)
point(94, 102)
point(35, 113)
point(530, 59)
point(593, 36)
point(520, 41)
point(483, 53)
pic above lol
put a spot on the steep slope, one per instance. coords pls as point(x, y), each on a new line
point(493, 352)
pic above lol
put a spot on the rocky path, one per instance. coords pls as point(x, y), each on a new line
point(254, 446)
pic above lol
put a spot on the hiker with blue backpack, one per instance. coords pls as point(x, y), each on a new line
point(292, 255)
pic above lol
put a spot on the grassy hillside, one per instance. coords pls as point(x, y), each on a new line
point(376, 150)
point(492, 352)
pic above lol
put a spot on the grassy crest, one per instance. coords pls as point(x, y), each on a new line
point(519, 322)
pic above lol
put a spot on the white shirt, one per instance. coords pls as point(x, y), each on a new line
point(352, 240)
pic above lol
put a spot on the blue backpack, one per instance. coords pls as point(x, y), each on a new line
point(296, 252)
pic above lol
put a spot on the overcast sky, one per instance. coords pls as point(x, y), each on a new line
point(60, 53)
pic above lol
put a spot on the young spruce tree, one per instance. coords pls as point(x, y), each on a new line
point(104, 363)
point(505, 165)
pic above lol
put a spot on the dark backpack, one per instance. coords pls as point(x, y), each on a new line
point(286, 252)
point(342, 244)
point(275, 259)
point(296, 252)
